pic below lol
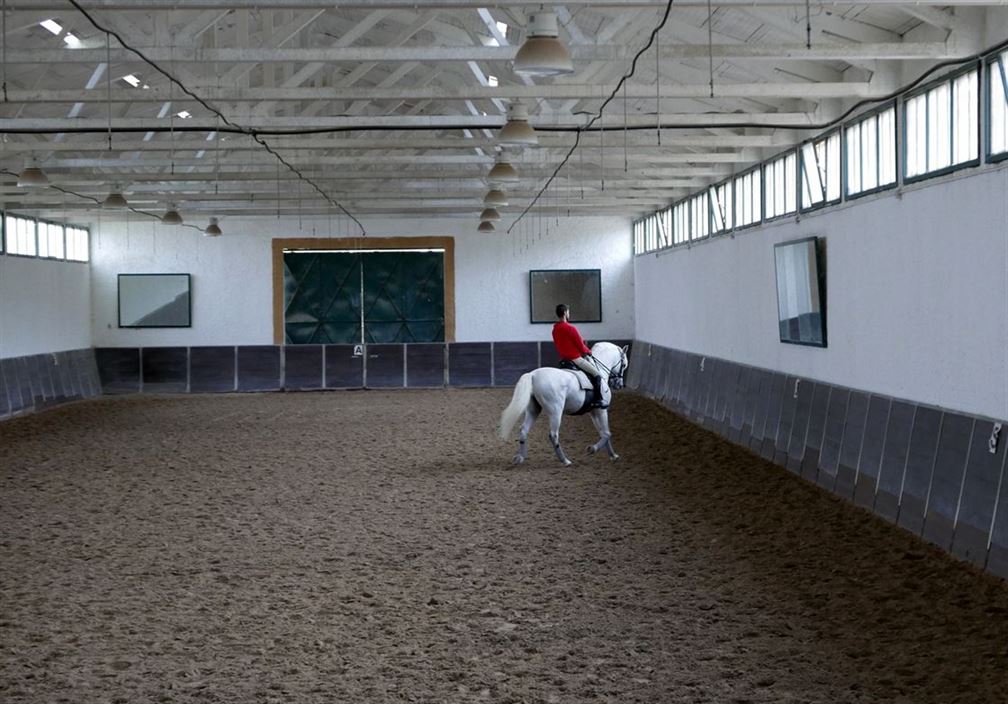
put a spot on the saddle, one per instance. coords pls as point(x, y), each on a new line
point(583, 381)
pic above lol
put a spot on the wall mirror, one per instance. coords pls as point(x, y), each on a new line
point(580, 289)
point(154, 301)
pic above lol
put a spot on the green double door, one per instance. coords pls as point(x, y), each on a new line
point(355, 297)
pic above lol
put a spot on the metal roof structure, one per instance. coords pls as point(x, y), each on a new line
point(391, 107)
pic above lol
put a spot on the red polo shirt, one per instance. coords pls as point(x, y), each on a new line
point(568, 341)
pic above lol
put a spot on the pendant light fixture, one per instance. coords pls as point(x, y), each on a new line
point(490, 214)
point(213, 229)
point(486, 226)
point(517, 132)
point(543, 54)
point(115, 199)
point(171, 216)
point(502, 172)
point(32, 176)
point(495, 198)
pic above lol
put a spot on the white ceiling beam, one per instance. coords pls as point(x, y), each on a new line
point(400, 122)
point(558, 91)
point(124, 143)
point(194, 28)
point(455, 4)
point(183, 159)
point(238, 75)
point(934, 16)
point(609, 52)
point(393, 173)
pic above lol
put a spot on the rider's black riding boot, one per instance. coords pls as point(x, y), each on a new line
point(596, 382)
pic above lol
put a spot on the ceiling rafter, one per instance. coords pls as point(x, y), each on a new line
point(423, 65)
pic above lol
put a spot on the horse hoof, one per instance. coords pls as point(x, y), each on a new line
point(614, 458)
point(592, 450)
point(518, 459)
point(567, 463)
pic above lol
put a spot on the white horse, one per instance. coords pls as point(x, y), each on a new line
point(558, 391)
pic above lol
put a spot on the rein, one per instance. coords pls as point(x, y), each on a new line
point(609, 370)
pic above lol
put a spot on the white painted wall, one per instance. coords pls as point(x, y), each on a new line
point(917, 295)
point(45, 306)
point(232, 283)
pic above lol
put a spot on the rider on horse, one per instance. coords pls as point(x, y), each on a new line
point(573, 350)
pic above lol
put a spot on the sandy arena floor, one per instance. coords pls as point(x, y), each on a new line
point(377, 547)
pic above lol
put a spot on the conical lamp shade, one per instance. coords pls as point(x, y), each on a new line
point(213, 229)
point(486, 227)
point(115, 201)
point(517, 131)
point(171, 216)
point(503, 172)
point(32, 177)
point(543, 54)
point(495, 198)
point(489, 214)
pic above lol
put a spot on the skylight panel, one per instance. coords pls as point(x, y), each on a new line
point(185, 115)
point(131, 79)
point(71, 41)
point(52, 26)
point(492, 81)
point(502, 27)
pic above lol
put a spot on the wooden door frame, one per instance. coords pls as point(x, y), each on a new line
point(279, 244)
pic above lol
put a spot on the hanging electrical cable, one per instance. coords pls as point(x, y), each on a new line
point(3, 58)
point(108, 85)
point(97, 201)
point(171, 111)
point(626, 134)
point(601, 153)
point(710, 45)
point(808, 24)
point(254, 134)
point(577, 139)
point(657, 80)
point(829, 124)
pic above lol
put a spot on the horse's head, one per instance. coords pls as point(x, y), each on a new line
point(614, 360)
point(617, 373)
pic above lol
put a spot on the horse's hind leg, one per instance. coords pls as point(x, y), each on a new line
point(531, 413)
point(555, 415)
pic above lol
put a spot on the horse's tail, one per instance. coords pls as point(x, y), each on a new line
point(519, 402)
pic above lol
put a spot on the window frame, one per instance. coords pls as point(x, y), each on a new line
point(65, 248)
point(38, 237)
point(995, 68)
point(824, 137)
point(897, 151)
point(6, 247)
point(735, 199)
point(766, 163)
point(729, 185)
point(694, 217)
point(948, 78)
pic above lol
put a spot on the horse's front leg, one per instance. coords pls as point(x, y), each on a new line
point(603, 426)
point(596, 421)
point(531, 413)
point(555, 415)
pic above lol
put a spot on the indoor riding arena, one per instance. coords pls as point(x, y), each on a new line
point(295, 300)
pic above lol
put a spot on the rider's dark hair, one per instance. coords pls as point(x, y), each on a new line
point(561, 309)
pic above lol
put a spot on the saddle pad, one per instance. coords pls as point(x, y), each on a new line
point(582, 378)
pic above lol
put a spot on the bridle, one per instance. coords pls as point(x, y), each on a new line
point(615, 372)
